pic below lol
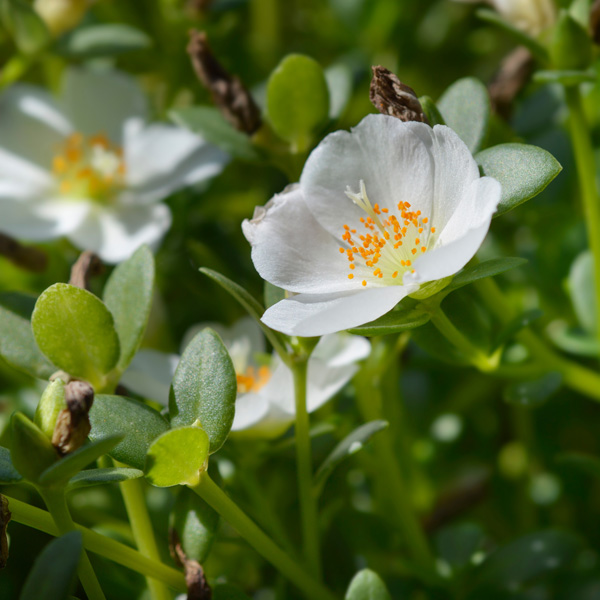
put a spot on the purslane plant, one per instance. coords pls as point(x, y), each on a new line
point(88, 166)
point(386, 211)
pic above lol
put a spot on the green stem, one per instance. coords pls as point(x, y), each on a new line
point(586, 170)
point(135, 504)
point(57, 505)
point(575, 376)
point(401, 509)
point(41, 520)
point(308, 504)
point(213, 495)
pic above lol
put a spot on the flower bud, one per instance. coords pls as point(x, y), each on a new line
point(51, 403)
point(571, 46)
point(61, 15)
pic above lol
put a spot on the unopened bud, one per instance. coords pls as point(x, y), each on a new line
point(51, 404)
point(229, 94)
point(5, 516)
point(73, 423)
point(392, 97)
point(61, 15)
point(195, 580)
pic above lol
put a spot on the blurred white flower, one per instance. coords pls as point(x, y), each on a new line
point(531, 16)
point(378, 212)
point(265, 404)
point(88, 167)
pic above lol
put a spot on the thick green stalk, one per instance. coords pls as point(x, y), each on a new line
point(586, 170)
point(57, 505)
point(41, 520)
point(308, 504)
point(135, 504)
point(290, 568)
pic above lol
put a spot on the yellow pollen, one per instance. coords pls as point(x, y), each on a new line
point(350, 275)
point(433, 230)
point(253, 380)
point(395, 274)
point(364, 283)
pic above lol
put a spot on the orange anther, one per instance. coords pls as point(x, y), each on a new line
point(414, 250)
point(364, 283)
point(350, 276)
point(423, 248)
point(352, 266)
point(433, 230)
point(394, 274)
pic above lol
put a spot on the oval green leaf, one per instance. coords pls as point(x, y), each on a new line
point(367, 585)
point(141, 425)
point(523, 171)
point(128, 296)
point(92, 477)
point(8, 473)
point(580, 285)
point(76, 331)
point(54, 569)
point(25, 25)
point(488, 268)
point(297, 100)
point(534, 393)
point(465, 107)
point(177, 457)
point(204, 388)
point(393, 322)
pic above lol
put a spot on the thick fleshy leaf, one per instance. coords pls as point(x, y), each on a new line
point(582, 462)
point(53, 571)
point(367, 585)
point(76, 331)
point(114, 415)
point(8, 473)
point(515, 325)
point(465, 107)
point(346, 448)
point(103, 40)
point(457, 544)
point(297, 99)
point(17, 344)
point(393, 322)
point(49, 407)
point(128, 296)
point(31, 453)
point(25, 25)
point(208, 122)
point(204, 388)
point(59, 473)
point(177, 457)
point(195, 524)
point(566, 78)
point(252, 306)
point(581, 289)
point(523, 171)
point(489, 268)
point(533, 393)
point(431, 111)
point(92, 477)
point(524, 559)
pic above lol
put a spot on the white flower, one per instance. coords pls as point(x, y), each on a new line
point(265, 404)
point(378, 212)
point(531, 16)
point(88, 167)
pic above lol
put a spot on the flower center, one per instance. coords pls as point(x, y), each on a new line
point(389, 241)
point(89, 167)
point(252, 380)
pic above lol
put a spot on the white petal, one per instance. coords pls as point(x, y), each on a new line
point(116, 233)
point(162, 158)
point(150, 374)
point(341, 349)
point(325, 382)
point(310, 315)
point(102, 101)
point(255, 417)
point(463, 234)
point(32, 127)
point(291, 250)
point(382, 151)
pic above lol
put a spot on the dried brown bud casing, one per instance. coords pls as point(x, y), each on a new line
point(195, 580)
point(392, 97)
point(229, 94)
point(73, 424)
point(5, 516)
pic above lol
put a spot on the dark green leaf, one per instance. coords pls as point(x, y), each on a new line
point(17, 344)
point(128, 296)
point(226, 591)
point(367, 585)
point(59, 473)
point(24, 24)
point(208, 122)
point(431, 111)
point(456, 544)
point(571, 45)
point(92, 477)
point(573, 340)
point(204, 388)
point(75, 330)
point(488, 268)
point(346, 448)
point(53, 571)
point(581, 462)
point(515, 325)
point(393, 322)
point(103, 40)
point(273, 294)
point(8, 473)
point(297, 100)
point(177, 457)
point(534, 393)
point(195, 524)
point(141, 425)
point(465, 107)
point(566, 78)
point(523, 170)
